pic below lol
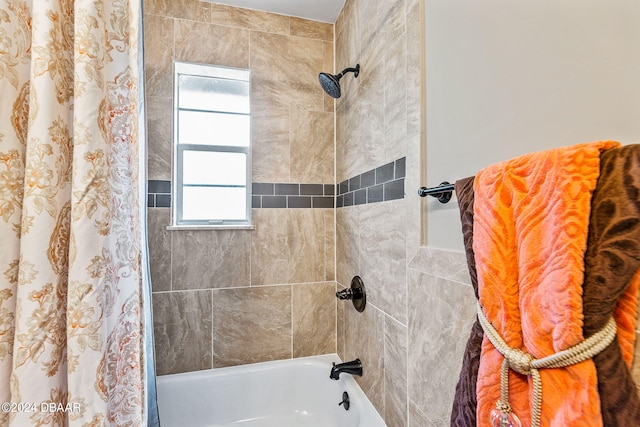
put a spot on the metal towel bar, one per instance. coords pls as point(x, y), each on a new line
point(442, 192)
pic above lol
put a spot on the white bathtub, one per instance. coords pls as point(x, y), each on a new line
point(284, 393)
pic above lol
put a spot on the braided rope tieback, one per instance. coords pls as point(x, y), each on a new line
point(525, 364)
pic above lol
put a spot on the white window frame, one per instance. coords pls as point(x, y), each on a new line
point(214, 71)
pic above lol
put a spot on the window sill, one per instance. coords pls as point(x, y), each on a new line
point(210, 227)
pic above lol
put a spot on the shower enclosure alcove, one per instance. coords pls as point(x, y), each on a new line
point(226, 297)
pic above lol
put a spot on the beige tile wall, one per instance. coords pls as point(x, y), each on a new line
point(223, 298)
point(377, 122)
point(421, 306)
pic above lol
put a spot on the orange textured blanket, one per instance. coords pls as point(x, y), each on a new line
point(531, 219)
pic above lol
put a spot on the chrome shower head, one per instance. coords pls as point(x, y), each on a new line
point(331, 83)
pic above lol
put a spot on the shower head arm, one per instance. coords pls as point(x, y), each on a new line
point(355, 72)
point(331, 83)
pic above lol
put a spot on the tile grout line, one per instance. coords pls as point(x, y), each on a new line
point(212, 329)
point(291, 314)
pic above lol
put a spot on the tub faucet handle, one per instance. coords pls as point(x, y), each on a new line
point(345, 294)
point(356, 293)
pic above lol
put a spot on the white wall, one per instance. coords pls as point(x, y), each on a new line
point(507, 77)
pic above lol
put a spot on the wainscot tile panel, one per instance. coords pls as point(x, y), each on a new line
point(327, 66)
point(312, 151)
point(314, 315)
point(414, 75)
point(182, 330)
point(375, 22)
point(285, 72)
point(441, 313)
point(329, 244)
point(311, 29)
point(159, 137)
point(210, 259)
point(360, 123)
point(250, 19)
point(418, 419)
point(364, 339)
point(347, 45)
point(251, 325)
point(193, 10)
point(270, 152)
point(413, 180)
point(395, 93)
point(159, 249)
point(441, 263)
point(158, 55)
point(395, 373)
point(231, 48)
point(288, 246)
point(341, 318)
point(347, 244)
point(382, 257)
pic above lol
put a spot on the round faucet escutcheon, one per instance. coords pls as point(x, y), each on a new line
point(356, 293)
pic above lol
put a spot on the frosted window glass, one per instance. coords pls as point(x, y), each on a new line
point(212, 134)
point(213, 94)
point(214, 129)
point(214, 168)
point(214, 203)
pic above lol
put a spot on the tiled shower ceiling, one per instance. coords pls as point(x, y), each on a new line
point(317, 10)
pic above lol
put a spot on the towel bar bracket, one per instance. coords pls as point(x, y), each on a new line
point(442, 192)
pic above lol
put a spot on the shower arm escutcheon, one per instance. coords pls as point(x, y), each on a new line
point(356, 293)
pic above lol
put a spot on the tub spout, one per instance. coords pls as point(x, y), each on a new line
point(354, 368)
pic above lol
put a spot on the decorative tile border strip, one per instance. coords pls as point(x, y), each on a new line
point(158, 194)
point(292, 195)
point(376, 185)
point(264, 195)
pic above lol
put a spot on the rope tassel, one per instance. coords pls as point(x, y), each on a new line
point(525, 364)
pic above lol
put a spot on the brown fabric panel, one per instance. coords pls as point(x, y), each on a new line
point(463, 413)
point(611, 260)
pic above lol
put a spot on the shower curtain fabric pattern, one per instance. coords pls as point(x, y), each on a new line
point(71, 330)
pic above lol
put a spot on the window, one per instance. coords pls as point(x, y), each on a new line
point(212, 140)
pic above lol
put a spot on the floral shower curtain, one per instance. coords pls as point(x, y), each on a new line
point(71, 283)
